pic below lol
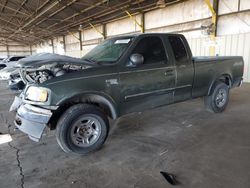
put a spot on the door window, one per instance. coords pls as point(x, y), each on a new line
point(152, 49)
point(179, 49)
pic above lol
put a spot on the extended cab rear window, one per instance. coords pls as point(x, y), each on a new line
point(179, 49)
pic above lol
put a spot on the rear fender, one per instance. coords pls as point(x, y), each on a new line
point(226, 78)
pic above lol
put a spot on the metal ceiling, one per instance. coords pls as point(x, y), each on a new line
point(34, 21)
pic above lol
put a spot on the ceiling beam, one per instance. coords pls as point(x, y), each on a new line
point(115, 9)
point(118, 9)
point(42, 5)
point(16, 11)
point(9, 15)
point(89, 4)
point(9, 29)
point(88, 18)
point(12, 9)
point(52, 5)
point(45, 21)
point(68, 19)
point(56, 12)
point(81, 12)
point(119, 15)
point(3, 6)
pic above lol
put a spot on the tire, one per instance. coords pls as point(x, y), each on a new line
point(82, 129)
point(217, 101)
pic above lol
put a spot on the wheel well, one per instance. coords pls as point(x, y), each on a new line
point(224, 78)
point(101, 102)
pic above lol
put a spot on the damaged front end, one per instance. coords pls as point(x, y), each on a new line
point(32, 120)
point(33, 107)
point(39, 68)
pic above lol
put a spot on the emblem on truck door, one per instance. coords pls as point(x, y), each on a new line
point(112, 81)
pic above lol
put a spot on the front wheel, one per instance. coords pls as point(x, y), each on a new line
point(218, 100)
point(82, 129)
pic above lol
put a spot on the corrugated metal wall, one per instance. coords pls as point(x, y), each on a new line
point(58, 45)
point(72, 44)
point(43, 47)
point(90, 38)
point(13, 48)
point(228, 45)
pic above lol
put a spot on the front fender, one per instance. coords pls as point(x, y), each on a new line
point(100, 98)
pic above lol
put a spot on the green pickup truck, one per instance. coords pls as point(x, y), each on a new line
point(121, 75)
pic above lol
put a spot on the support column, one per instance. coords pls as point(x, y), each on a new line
point(104, 31)
point(214, 11)
point(143, 22)
point(30, 50)
point(239, 5)
point(64, 44)
point(80, 40)
point(216, 8)
point(7, 49)
point(52, 44)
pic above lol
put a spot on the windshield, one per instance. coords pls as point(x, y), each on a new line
point(109, 51)
point(5, 60)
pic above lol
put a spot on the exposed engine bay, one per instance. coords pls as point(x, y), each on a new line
point(47, 72)
point(38, 68)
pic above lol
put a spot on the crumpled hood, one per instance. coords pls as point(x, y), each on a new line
point(47, 58)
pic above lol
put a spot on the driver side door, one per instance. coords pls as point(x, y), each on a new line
point(150, 84)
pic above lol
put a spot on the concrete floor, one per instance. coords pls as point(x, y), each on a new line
point(202, 149)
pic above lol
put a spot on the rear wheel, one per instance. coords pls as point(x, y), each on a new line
point(82, 129)
point(218, 100)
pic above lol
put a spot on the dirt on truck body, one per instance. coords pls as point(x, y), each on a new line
point(121, 75)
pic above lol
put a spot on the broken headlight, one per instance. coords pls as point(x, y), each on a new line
point(37, 94)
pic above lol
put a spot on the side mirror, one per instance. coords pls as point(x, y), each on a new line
point(136, 60)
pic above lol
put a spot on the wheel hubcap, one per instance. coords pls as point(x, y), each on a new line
point(221, 98)
point(85, 131)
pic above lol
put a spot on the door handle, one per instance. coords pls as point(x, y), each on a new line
point(169, 72)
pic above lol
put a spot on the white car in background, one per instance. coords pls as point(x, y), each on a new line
point(2, 64)
point(10, 61)
point(9, 66)
point(6, 72)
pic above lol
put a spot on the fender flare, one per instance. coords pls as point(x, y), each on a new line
point(99, 98)
point(223, 76)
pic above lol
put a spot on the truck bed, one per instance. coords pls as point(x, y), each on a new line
point(208, 69)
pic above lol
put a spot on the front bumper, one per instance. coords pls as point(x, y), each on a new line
point(31, 120)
